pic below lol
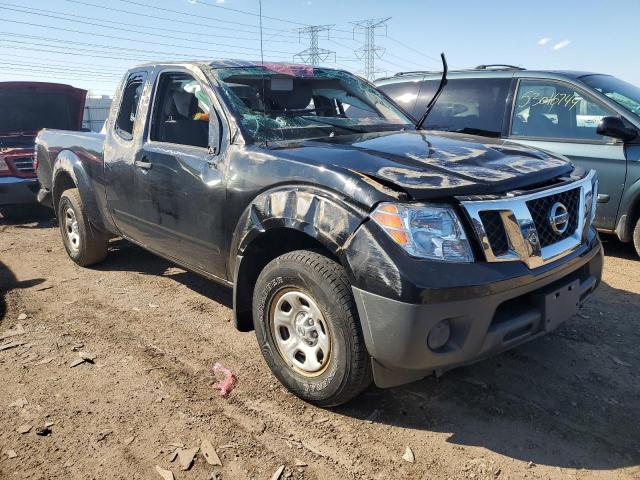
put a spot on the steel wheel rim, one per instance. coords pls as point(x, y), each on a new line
point(71, 229)
point(300, 332)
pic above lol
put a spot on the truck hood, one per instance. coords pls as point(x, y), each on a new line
point(27, 107)
point(430, 164)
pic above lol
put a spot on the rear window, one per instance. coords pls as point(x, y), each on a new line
point(129, 106)
point(466, 105)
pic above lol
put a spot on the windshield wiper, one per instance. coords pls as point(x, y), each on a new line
point(443, 82)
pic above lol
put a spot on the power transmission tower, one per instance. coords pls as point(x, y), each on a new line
point(314, 54)
point(369, 51)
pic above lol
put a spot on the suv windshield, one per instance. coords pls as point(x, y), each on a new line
point(624, 94)
point(293, 102)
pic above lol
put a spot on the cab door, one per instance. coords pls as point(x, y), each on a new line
point(180, 195)
point(123, 141)
point(562, 118)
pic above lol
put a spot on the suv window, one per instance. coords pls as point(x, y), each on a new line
point(181, 111)
point(548, 109)
point(129, 105)
point(404, 94)
point(466, 105)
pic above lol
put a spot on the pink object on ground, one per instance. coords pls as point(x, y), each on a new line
point(226, 385)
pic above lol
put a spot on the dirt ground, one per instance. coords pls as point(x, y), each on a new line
point(564, 406)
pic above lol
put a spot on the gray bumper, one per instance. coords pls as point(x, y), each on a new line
point(396, 333)
point(18, 191)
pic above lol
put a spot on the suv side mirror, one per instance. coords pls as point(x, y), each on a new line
point(614, 127)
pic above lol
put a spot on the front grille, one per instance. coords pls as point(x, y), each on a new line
point(496, 234)
point(23, 165)
point(540, 209)
point(517, 226)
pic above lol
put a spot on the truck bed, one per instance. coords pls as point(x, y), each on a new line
point(88, 147)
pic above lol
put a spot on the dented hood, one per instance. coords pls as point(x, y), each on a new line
point(427, 165)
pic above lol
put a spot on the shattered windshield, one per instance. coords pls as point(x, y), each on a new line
point(294, 102)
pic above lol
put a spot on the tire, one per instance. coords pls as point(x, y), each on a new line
point(84, 244)
point(636, 237)
point(335, 368)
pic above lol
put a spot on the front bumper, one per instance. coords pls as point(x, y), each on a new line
point(18, 191)
point(484, 319)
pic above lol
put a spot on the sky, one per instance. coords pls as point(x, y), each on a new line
point(91, 43)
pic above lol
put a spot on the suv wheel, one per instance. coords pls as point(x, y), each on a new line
point(307, 327)
point(84, 244)
point(636, 236)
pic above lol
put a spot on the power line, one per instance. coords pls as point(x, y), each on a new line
point(190, 15)
point(85, 68)
point(90, 53)
point(201, 2)
point(369, 51)
point(106, 47)
point(112, 52)
point(71, 75)
point(177, 20)
point(126, 30)
point(55, 14)
point(412, 49)
point(314, 55)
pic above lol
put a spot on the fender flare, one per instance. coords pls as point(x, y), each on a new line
point(321, 215)
point(68, 163)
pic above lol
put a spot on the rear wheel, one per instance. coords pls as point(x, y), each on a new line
point(307, 327)
point(84, 244)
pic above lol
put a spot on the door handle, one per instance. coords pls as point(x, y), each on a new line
point(143, 164)
point(603, 198)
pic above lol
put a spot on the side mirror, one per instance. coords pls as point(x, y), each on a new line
point(614, 127)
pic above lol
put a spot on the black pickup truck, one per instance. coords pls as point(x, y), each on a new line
point(358, 247)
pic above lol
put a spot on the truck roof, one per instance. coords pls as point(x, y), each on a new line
point(227, 63)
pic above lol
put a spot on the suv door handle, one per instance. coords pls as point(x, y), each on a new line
point(143, 164)
point(602, 198)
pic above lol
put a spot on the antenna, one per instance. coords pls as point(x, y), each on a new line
point(264, 98)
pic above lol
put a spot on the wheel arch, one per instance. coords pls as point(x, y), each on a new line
point(69, 172)
point(629, 213)
point(281, 221)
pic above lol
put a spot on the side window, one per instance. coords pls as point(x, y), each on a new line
point(129, 106)
point(468, 105)
point(547, 109)
point(181, 111)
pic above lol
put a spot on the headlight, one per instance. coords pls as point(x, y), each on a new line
point(425, 231)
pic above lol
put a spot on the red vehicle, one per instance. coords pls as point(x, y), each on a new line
point(26, 108)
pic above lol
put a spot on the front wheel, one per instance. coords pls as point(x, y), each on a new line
point(307, 327)
point(84, 244)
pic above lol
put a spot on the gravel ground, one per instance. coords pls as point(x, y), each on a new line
point(564, 406)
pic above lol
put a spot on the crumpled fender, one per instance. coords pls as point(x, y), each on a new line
point(320, 214)
point(68, 163)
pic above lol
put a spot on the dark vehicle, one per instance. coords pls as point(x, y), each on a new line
point(25, 108)
point(592, 119)
point(357, 247)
